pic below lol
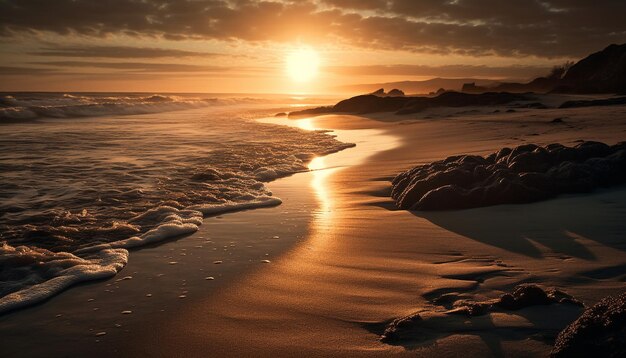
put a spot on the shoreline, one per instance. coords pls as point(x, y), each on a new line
point(365, 265)
point(103, 260)
point(355, 264)
point(156, 277)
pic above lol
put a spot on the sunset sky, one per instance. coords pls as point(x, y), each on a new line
point(244, 45)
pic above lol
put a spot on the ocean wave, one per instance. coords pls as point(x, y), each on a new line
point(32, 106)
point(30, 283)
point(76, 200)
point(31, 275)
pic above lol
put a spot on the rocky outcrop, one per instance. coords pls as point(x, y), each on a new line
point(599, 332)
point(395, 93)
point(616, 101)
point(524, 174)
point(523, 296)
point(458, 99)
point(371, 103)
point(601, 72)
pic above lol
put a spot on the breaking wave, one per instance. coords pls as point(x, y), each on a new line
point(53, 105)
point(74, 198)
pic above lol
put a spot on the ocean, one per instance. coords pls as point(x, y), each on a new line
point(86, 177)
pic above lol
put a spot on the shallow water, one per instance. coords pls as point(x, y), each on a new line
point(76, 193)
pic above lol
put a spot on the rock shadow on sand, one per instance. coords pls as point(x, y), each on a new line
point(519, 315)
point(533, 229)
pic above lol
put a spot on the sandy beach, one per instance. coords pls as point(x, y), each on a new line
point(343, 262)
point(312, 178)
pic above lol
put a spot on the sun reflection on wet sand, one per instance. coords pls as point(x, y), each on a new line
point(323, 168)
point(306, 124)
point(320, 186)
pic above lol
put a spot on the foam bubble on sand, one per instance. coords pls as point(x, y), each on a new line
point(27, 283)
point(173, 223)
point(143, 190)
point(260, 202)
point(67, 269)
point(59, 270)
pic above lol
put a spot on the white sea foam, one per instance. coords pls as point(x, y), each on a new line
point(103, 260)
point(76, 197)
point(16, 107)
point(261, 202)
point(58, 270)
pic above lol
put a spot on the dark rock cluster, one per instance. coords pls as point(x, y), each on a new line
point(524, 174)
point(523, 296)
point(600, 72)
point(393, 93)
point(599, 332)
point(395, 101)
point(615, 101)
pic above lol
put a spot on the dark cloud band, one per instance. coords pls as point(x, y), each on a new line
point(546, 28)
point(118, 52)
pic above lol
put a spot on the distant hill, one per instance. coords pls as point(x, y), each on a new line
point(601, 72)
point(417, 87)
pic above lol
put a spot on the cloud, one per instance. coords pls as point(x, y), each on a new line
point(359, 4)
point(118, 52)
point(545, 28)
point(19, 71)
point(449, 71)
point(136, 66)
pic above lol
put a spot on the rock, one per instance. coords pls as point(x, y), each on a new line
point(444, 197)
point(394, 331)
point(502, 153)
point(524, 296)
point(557, 120)
point(530, 162)
point(590, 149)
point(599, 332)
point(395, 93)
point(280, 114)
point(523, 174)
point(415, 327)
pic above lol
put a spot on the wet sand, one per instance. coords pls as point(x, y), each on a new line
point(347, 263)
point(363, 264)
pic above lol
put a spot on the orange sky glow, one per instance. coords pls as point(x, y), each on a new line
point(242, 46)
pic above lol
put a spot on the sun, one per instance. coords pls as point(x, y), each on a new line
point(302, 64)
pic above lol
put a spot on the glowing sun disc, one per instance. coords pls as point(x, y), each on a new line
point(302, 64)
